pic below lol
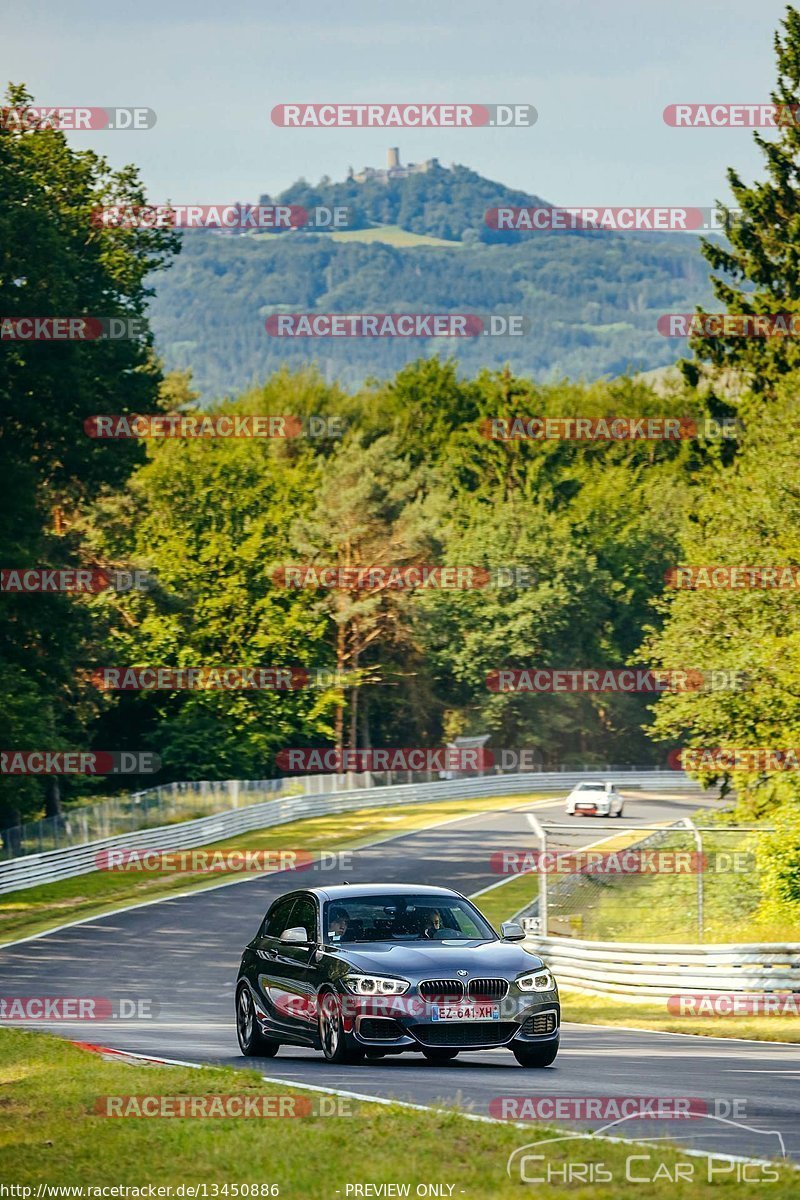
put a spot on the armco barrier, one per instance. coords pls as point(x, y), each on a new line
point(652, 972)
point(34, 869)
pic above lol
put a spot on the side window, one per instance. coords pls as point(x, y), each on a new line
point(305, 913)
point(278, 918)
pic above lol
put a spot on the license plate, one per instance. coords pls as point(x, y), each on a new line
point(586, 807)
point(465, 1012)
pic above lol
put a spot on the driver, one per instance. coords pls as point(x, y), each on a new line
point(433, 924)
point(338, 922)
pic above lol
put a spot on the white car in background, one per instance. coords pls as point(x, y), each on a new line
point(594, 800)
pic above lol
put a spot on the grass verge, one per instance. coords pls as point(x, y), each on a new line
point(392, 235)
point(34, 910)
point(603, 1010)
point(501, 903)
point(663, 907)
point(52, 1134)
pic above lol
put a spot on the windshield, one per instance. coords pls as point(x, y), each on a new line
point(404, 918)
point(591, 787)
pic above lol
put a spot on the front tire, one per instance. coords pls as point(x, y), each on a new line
point(536, 1056)
point(435, 1055)
point(252, 1042)
point(332, 1037)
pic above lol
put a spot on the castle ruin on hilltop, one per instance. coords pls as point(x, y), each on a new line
point(394, 169)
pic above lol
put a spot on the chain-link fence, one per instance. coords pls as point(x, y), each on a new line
point(137, 810)
point(679, 883)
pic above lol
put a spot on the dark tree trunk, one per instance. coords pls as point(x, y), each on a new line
point(52, 803)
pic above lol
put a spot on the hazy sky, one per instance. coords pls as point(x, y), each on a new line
point(599, 72)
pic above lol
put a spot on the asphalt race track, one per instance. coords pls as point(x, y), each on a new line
point(184, 954)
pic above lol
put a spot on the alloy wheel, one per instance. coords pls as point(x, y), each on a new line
point(245, 1017)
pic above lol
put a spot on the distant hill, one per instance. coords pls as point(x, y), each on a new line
point(442, 202)
point(593, 299)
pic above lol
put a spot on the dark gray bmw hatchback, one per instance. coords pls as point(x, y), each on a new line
point(357, 970)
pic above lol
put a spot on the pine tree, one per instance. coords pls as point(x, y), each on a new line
point(760, 265)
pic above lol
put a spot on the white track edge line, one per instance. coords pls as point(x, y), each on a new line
point(386, 1101)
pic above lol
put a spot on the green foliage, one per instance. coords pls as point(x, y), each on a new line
point(56, 262)
point(745, 515)
point(414, 481)
point(592, 299)
point(760, 267)
point(442, 202)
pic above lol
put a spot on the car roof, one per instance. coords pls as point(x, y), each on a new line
point(340, 891)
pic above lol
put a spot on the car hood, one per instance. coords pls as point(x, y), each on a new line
point(440, 959)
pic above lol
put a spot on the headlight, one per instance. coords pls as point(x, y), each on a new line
point(538, 981)
point(375, 985)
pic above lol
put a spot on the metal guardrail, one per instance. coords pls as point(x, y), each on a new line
point(649, 971)
point(32, 870)
point(166, 804)
point(169, 803)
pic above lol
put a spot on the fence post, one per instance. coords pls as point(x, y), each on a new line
point(698, 841)
point(541, 833)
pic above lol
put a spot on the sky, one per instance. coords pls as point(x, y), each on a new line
point(599, 73)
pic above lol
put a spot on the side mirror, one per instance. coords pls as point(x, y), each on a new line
point(512, 931)
point(296, 936)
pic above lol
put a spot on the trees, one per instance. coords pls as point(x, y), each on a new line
point(212, 520)
point(747, 514)
point(54, 261)
point(760, 268)
point(371, 510)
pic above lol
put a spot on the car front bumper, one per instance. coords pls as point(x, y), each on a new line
point(409, 1022)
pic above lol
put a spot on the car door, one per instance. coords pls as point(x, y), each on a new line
point(287, 970)
point(298, 967)
point(269, 965)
